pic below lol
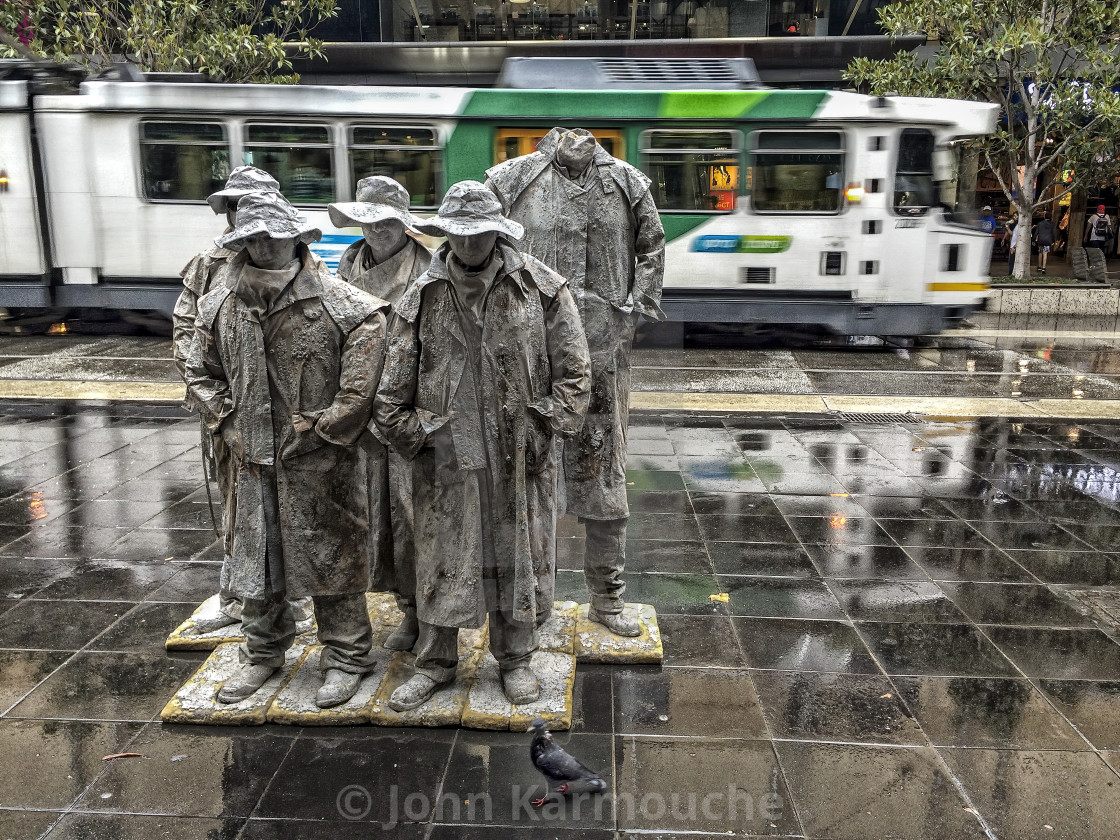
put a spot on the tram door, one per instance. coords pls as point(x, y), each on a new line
point(515, 142)
point(911, 199)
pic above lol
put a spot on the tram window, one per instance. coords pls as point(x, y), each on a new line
point(797, 171)
point(692, 171)
point(913, 180)
point(182, 161)
point(409, 154)
point(299, 156)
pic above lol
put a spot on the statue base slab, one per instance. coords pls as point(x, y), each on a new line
point(197, 700)
point(445, 707)
point(474, 699)
point(595, 643)
point(295, 705)
point(488, 708)
point(186, 637)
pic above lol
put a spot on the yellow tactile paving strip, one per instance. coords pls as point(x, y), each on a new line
point(68, 389)
point(169, 392)
point(820, 404)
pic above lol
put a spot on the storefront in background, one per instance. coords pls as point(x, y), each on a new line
point(529, 20)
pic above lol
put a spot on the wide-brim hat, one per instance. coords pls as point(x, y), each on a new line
point(271, 214)
point(470, 208)
point(242, 181)
point(377, 198)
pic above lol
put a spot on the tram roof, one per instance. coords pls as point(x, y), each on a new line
point(494, 103)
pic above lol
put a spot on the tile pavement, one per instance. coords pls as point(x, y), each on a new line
point(910, 658)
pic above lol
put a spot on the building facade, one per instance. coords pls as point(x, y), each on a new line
point(595, 20)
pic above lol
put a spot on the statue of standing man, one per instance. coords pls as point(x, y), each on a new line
point(283, 368)
point(591, 217)
point(199, 276)
point(383, 263)
point(486, 366)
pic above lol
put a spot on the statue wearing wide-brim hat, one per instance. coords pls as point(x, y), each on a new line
point(470, 208)
point(241, 181)
point(377, 198)
point(486, 366)
point(272, 215)
point(199, 276)
point(384, 263)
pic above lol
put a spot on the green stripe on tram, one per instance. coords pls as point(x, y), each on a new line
point(561, 105)
point(709, 105)
point(567, 105)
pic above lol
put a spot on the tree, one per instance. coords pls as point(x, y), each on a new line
point(228, 40)
point(1053, 66)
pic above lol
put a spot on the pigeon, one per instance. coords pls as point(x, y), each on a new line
point(557, 765)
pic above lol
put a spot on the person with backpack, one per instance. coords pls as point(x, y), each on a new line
point(1098, 230)
point(1045, 234)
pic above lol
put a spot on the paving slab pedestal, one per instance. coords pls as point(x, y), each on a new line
point(474, 699)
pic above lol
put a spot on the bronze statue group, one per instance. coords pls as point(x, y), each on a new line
point(419, 423)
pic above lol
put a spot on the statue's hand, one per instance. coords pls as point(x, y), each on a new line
point(305, 439)
point(232, 440)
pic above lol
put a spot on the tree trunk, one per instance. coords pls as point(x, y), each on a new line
point(1076, 229)
point(1022, 269)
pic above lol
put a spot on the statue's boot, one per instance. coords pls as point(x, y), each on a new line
point(338, 687)
point(521, 686)
point(406, 633)
point(245, 683)
point(616, 622)
point(414, 693)
point(213, 622)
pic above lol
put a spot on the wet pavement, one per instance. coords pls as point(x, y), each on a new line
point(1024, 361)
point(871, 629)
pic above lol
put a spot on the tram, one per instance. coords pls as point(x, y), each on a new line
point(795, 207)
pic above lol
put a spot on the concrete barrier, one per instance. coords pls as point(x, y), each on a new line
point(1096, 300)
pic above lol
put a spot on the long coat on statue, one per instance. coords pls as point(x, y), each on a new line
point(392, 557)
point(478, 405)
point(297, 382)
point(605, 237)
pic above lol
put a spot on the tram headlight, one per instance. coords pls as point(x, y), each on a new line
point(854, 193)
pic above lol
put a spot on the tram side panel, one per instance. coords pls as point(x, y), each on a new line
point(22, 260)
point(144, 239)
point(68, 163)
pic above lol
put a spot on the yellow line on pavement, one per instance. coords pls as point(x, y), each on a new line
point(170, 392)
point(45, 389)
point(680, 401)
point(930, 406)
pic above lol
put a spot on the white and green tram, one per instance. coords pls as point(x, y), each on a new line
point(793, 207)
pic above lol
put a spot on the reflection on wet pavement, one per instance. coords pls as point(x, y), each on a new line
point(870, 629)
point(1067, 358)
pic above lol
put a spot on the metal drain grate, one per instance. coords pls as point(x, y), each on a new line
point(877, 417)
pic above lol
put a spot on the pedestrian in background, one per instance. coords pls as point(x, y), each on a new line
point(1045, 235)
point(987, 220)
point(1098, 230)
